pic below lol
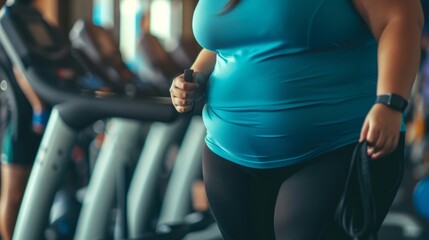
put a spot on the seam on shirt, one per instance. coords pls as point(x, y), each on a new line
point(310, 25)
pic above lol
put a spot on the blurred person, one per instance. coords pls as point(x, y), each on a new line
point(18, 152)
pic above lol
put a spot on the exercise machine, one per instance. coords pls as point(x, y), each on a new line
point(92, 224)
point(79, 98)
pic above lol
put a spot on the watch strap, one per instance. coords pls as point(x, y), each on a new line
point(393, 101)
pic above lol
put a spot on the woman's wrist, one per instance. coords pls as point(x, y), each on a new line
point(200, 76)
point(201, 79)
point(40, 120)
point(393, 101)
point(387, 109)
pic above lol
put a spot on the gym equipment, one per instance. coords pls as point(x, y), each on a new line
point(154, 53)
point(63, 216)
point(101, 53)
point(409, 226)
point(142, 187)
point(113, 155)
point(141, 194)
point(187, 168)
point(79, 99)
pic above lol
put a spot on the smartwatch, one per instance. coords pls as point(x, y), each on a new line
point(394, 101)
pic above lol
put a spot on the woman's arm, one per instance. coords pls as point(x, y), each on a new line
point(397, 26)
point(39, 108)
point(204, 63)
point(183, 94)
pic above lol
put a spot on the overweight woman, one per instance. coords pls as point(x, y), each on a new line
point(290, 87)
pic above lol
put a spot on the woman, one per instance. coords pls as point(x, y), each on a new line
point(292, 86)
point(24, 120)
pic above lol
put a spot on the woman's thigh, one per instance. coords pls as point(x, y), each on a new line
point(293, 202)
point(242, 204)
point(307, 200)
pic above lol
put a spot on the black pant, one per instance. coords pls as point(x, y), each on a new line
point(294, 202)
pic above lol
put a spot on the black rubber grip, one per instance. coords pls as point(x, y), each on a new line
point(188, 73)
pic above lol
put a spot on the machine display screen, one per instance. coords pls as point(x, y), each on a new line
point(40, 34)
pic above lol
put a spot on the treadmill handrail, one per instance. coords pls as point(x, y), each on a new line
point(89, 107)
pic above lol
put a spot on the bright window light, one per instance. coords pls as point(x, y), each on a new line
point(160, 19)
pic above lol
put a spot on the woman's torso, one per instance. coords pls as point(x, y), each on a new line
point(293, 78)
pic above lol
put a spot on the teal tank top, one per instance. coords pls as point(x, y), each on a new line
point(293, 78)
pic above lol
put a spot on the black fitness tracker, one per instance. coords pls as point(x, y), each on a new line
point(394, 101)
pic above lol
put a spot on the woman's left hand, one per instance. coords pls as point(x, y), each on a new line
point(381, 130)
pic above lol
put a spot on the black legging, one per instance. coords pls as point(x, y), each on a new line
point(291, 203)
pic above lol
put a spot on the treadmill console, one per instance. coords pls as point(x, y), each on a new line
point(45, 53)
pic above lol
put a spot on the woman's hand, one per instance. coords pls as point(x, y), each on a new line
point(381, 130)
point(184, 94)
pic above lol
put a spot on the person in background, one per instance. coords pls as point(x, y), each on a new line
point(19, 151)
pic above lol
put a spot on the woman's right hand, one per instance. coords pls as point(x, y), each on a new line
point(184, 94)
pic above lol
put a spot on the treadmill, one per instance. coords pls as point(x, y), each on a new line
point(78, 97)
point(137, 209)
point(100, 51)
point(175, 214)
point(138, 218)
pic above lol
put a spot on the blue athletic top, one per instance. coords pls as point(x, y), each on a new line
point(293, 78)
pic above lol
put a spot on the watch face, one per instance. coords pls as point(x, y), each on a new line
point(395, 101)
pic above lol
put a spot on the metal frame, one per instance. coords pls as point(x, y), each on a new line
point(142, 188)
point(46, 175)
point(186, 169)
point(121, 137)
